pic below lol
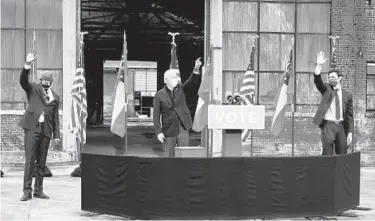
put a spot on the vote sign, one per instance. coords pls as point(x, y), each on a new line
point(236, 117)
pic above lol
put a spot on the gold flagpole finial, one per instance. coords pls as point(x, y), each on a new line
point(252, 38)
point(334, 39)
point(173, 36)
point(82, 35)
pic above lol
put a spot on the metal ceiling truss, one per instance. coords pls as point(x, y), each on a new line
point(144, 20)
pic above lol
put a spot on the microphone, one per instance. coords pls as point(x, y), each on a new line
point(229, 97)
point(237, 97)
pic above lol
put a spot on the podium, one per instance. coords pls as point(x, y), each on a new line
point(232, 145)
point(232, 119)
point(190, 152)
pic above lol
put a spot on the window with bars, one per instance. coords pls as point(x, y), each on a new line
point(276, 23)
point(370, 86)
point(19, 19)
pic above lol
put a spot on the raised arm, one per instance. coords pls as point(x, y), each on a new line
point(320, 60)
point(24, 78)
point(194, 76)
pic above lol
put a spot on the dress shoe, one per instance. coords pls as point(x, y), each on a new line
point(26, 197)
point(40, 196)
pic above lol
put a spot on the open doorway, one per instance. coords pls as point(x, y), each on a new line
point(146, 24)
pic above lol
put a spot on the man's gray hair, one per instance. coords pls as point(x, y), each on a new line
point(46, 75)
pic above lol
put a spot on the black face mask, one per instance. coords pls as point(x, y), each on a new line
point(45, 84)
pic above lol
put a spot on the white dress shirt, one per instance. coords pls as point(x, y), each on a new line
point(51, 98)
point(331, 112)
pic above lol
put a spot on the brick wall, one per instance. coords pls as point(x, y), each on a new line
point(354, 22)
point(12, 136)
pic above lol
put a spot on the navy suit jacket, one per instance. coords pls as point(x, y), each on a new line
point(327, 96)
point(36, 105)
point(172, 112)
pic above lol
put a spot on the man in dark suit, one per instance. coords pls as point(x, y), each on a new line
point(335, 112)
point(40, 123)
point(170, 104)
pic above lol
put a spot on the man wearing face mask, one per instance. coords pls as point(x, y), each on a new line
point(335, 112)
point(170, 104)
point(40, 123)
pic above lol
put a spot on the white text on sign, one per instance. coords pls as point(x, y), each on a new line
point(236, 117)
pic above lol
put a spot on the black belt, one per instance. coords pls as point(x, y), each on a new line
point(334, 122)
point(40, 123)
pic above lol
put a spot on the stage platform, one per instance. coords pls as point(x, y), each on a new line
point(220, 188)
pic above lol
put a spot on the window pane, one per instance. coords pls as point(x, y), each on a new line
point(48, 48)
point(140, 80)
point(44, 14)
point(307, 48)
point(232, 82)
point(313, 18)
point(282, 17)
point(12, 13)
point(371, 84)
point(12, 48)
point(370, 102)
point(269, 84)
point(240, 16)
point(371, 68)
point(274, 51)
point(236, 51)
point(7, 85)
point(151, 80)
point(306, 92)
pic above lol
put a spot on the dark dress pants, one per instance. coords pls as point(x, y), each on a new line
point(182, 140)
point(333, 139)
point(36, 148)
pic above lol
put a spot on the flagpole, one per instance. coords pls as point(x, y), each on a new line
point(294, 98)
point(252, 37)
point(80, 63)
point(33, 50)
point(125, 59)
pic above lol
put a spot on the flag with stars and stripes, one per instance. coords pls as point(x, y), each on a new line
point(247, 90)
point(284, 97)
point(118, 124)
point(79, 106)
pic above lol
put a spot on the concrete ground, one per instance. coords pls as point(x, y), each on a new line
point(65, 191)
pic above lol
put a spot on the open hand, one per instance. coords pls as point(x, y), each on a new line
point(320, 58)
point(198, 63)
point(161, 137)
point(30, 58)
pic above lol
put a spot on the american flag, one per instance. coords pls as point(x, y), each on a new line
point(247, 90)
point(79, 106)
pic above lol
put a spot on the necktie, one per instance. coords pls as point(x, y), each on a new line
point(46, 93)
point(337, 101)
